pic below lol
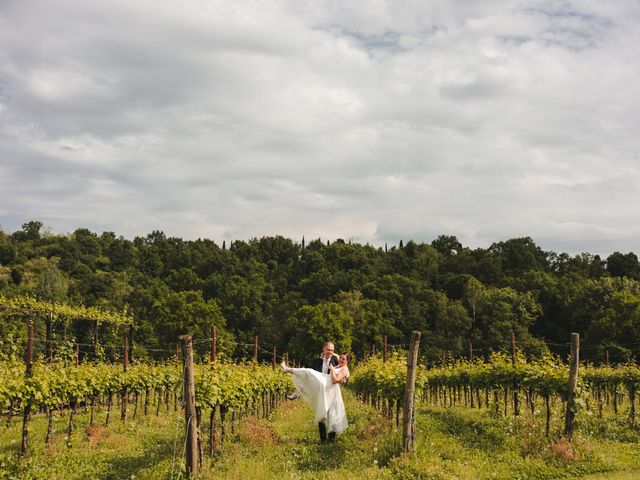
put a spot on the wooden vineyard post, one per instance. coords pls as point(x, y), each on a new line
point(516, 409)
point(125, 365)
point(95, 340)
point(570, 416)
point(255, 349)
point(125, 357)
point(27, 408)
point(470, 387)
point(130, 343)
point(189, 392)
point(273, 363)
point(384, 350)
point(213, 345)
point(48, 339)
point(408, 420)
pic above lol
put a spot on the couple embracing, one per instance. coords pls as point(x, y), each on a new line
point(320, 388)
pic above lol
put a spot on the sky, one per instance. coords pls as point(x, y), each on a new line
point(372, 121)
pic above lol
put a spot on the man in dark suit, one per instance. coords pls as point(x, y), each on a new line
point(322, 365)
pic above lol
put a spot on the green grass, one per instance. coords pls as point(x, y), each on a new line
point(460, 443)
point(287, 447)
point(140, 448)
point(451, 443)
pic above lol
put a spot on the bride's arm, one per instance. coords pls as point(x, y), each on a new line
point(339, 376)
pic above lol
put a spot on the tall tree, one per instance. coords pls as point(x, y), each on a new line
point(314, 325)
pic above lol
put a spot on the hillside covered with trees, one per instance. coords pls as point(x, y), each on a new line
point(295, 295)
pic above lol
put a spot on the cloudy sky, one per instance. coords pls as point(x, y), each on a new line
point(366, 120)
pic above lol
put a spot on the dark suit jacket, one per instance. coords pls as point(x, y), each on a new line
point(317, 363)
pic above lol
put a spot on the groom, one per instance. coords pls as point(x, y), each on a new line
point(322, 365)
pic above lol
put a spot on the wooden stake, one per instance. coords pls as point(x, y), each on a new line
point(516, 406)
point(29, 357)
point(130, 343)
point(255, 349)
point(384, 350)
point(570, 416)
point(125, 356)
point(48, 340)
point(213, 345)
point(189, 392)
point(24, 449)
point(408, 420)
point(125, 393)
point(95, 340)
point(274, 358)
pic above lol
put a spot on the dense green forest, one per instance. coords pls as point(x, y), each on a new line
point(295, 295)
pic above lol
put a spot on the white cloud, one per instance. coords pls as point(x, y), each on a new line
point(367, 120)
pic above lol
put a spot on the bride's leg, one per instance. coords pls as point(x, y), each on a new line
point(286, 369)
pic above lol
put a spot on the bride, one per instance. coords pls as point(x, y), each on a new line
point(321, 391)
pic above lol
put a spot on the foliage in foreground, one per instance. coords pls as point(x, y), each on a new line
point(499, 381)
point(452, 443)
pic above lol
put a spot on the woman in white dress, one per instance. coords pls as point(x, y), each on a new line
point(321, 391)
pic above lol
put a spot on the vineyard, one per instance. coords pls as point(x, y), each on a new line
point(227, 394)
point(209, 403)
point(141, 389)
point(501, 385)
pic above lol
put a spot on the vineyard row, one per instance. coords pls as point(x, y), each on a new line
point(498, 384)
point(221, 388)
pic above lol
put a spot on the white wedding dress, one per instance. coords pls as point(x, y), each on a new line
point(323, 396)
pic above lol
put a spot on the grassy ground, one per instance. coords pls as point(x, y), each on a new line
point(453, 443)
point(141, 448)
point(466, 444)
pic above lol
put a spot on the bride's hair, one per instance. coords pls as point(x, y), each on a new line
point(348, 355)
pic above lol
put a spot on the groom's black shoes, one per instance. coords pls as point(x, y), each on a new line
point(323, 432)
point(332, 437)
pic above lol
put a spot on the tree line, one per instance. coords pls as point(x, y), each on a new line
point(294, 295)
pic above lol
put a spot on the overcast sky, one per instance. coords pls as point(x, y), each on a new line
point(373, 121)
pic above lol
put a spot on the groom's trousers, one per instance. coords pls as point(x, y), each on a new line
point(323, 433)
